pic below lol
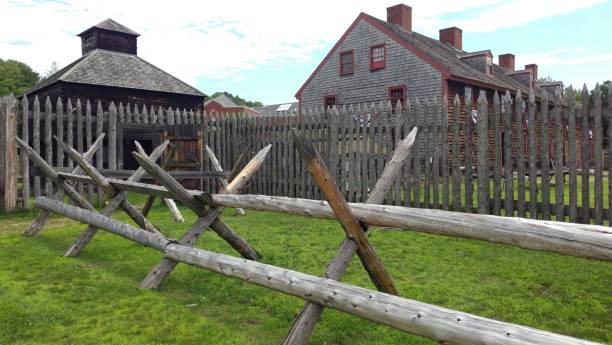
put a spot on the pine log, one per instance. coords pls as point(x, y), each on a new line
point(108, 189)
point(206, 218)
point(311, 313)
point(580, 240)
point(86, 236)
point(350, 223)
point(176, 213)
point(217, 166)
point(40, 221)
point(53, 176)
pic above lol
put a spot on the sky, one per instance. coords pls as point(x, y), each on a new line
point(265, 50)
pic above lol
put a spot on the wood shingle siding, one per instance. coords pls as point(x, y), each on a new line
point(365, 85)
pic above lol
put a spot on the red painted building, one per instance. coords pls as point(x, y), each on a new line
point(224, 105)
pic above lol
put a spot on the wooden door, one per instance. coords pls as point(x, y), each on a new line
point(188, 155)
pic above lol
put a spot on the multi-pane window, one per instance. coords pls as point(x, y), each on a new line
point(397, 93)
point(329, 101)
point(347, 63)
point(378, 56)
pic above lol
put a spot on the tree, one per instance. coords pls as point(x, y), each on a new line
point(16, 77)
point(236, 99)
point(544, 80)
point(51, 71)
point(604, 87)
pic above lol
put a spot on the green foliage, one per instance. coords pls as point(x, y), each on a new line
point(52, 70)
point(547, 79)
point(604, 87)
point(16, 77)
point(236, 99)
point(92, 299)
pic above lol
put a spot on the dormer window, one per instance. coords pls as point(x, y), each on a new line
point(378, 57)
point(347, 63)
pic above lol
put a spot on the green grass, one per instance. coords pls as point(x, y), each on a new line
point(552, 193)
point(93, 299)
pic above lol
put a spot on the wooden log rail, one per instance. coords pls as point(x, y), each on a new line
point(123, 174)
point(440, 324)
point(581, 240)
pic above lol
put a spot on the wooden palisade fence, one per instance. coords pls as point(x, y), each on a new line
point(542, 150)
point(434, 322)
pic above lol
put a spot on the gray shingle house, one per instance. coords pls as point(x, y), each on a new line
point(378, 60)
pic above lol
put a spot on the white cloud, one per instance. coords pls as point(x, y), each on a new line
point(504, 14)
point(563, 56)
point(210, 39)
point(575, 66)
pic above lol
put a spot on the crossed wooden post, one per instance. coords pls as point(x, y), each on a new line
point(207, 218)
point(111, 191)
point(311, 313)
point(112, 205)
point(118, 199)
point(176, 213)
point(48, 171)
point(217, 166)
point(41, 220)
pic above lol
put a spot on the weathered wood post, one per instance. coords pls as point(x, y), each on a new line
point(117, 200)
point(482, 153)
point(351, 225)
point(25, 162)
point(311, 313)
point(8, 153)
point(176, 213)
point(41, 220)
point(217, 166)
point(206, 218)
point(106, 187)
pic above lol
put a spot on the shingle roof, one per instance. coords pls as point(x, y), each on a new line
point(448, 57)
point(109, 68)
point(111, 25)
point(272, 109)
point(223, 100)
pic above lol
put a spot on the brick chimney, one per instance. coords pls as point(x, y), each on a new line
point(534, 70)
point(507, 61)
point(401, 15)
point(452, 36)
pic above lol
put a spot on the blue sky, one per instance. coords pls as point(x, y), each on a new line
point(266, 50)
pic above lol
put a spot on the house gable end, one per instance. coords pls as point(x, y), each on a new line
point(393, 36)
point(367, 84)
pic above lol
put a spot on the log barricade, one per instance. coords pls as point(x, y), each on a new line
point(443, 325)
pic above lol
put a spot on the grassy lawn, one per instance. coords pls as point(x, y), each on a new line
point(93, 299)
